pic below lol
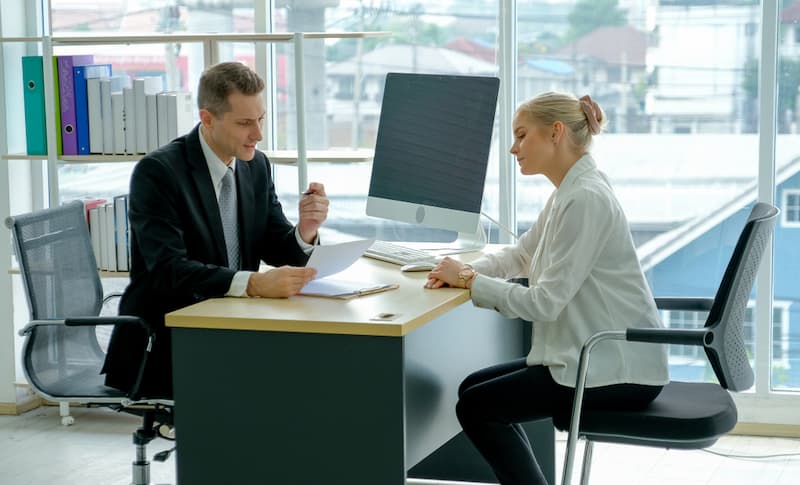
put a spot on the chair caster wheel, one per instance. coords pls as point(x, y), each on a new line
point(67, 420)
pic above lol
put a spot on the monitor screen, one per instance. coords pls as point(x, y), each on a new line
point(432, 149)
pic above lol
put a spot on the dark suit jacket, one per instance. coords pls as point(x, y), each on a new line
point(178, 254)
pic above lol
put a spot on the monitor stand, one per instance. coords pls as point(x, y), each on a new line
point(466, 242)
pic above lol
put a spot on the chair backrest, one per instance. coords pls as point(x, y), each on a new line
point(57, 263)
point(724, 342)
point(59, 272)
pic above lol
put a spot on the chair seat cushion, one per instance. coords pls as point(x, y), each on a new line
point(684, 415)
point(82, 386)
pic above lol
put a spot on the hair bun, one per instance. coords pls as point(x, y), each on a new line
point(594, 115)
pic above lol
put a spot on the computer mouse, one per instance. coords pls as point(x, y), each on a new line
point(418, 266)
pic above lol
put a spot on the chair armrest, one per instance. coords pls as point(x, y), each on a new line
point(37, 323)
point(112, 320)
point(687, 304)
point(680, 336)
point(85, 321)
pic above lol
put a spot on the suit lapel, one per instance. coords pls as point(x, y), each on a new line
point(205, 190)
point(246, 198)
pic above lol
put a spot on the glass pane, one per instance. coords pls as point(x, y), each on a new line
point(786, 325)
point(344, 81)
point(680, 146)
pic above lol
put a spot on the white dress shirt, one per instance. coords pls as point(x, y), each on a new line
point(584, 277)
point(217, 169)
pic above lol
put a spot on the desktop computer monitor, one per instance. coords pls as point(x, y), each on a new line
point(432, 150)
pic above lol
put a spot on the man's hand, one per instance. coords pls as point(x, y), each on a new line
point(280, 282)
point(313, 210)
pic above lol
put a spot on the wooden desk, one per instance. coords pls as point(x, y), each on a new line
point(315, 391)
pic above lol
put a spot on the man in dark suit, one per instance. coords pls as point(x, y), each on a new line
point(203, 215)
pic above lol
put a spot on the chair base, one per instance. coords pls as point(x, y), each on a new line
point(140, 467)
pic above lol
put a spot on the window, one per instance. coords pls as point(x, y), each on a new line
point(780, 332)
point(685, 320)
point(683, 357)
point(790, 208)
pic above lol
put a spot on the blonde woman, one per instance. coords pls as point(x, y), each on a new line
point(584, 277)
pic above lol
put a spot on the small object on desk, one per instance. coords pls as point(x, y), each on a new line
point(342, 289)
point(385, 317)
point(418, 266)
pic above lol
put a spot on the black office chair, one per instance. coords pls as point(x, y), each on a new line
point(686, 415)
point(62, 354)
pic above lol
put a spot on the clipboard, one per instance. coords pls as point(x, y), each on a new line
point(343, 289)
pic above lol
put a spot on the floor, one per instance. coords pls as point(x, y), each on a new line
point(35, 449)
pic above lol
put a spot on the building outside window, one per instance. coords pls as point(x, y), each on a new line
point(790, 208)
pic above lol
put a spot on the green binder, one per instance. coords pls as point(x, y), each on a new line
point(33, 96)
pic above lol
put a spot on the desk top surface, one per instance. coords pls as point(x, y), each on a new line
point(411, 306)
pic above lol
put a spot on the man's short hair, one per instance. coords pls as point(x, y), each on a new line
point(220, 80)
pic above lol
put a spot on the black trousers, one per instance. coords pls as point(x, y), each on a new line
point(493, 401)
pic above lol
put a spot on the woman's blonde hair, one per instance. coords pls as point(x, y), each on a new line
point(574, 113)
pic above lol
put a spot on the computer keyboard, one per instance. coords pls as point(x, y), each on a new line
point(394, 253)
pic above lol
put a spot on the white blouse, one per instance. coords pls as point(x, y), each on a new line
point(584, 277)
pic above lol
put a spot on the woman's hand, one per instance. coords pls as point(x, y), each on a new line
point(446, 273)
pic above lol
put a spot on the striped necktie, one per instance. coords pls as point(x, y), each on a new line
point(227, 211)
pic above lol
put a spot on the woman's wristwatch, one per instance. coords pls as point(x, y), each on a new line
point(466, 275)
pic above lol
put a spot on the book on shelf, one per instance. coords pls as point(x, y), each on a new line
point(180, 113)
point(118, 122)
point(121, 231)
point(89, 204)
point(161, 108)
point(106, 118)
point(130, 120)
point(108, 88)
point(152, 121)
point(143, 86)
point(95, 232)
point(80, 75)
point(66, 104)
point(57, 103)
point(95, 114)
point(33, 100)
point(108, 237)
point(176, 115)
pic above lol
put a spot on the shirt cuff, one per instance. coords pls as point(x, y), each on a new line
point(239, 284)
point(307, 248)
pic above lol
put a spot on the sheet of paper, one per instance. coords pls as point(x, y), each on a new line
point(334, 288)
point(331, 258)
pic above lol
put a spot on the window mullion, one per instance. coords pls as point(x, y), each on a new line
point(507, 55)
point(766, 187)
